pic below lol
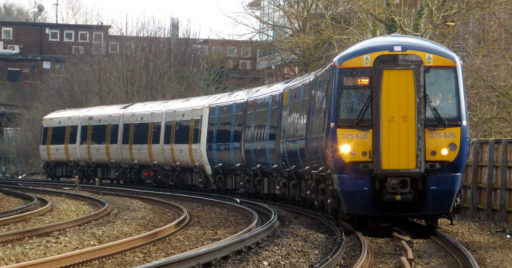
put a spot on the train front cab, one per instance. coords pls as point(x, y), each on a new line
point(401, 134)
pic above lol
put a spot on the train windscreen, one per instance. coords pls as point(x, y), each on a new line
point(442, 95)
point(355, 98)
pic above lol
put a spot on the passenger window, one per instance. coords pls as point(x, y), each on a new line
point(168, 132)
point(156, 133)
point(99, 134)
point(83, 135)
point(140, 133)
point(197, 125)
point(126, 133)
point(181, 132)
point(44, 135)
point(72, 134)
point(58, 135)
point(114, 131)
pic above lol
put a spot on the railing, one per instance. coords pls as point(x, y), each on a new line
point(487, 181)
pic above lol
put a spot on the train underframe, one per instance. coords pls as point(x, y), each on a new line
point(316, 190)
point(427, 197)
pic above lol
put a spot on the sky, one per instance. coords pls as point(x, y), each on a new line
point(207, 18)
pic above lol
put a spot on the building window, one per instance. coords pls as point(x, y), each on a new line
point(97, 37)
point(217, 50)
point(6, 33)
point(244, 65)
point(54, 35)
point(77, 50)
point(231, 51)
point(246, 52)
point(83, 36)
point(69, 36)
point(201, 50)
point(113, 47)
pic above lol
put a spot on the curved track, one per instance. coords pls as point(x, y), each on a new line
point(104, 209)
point(264, 220)
point(30, 203)
point(366, 259)
point(27, 211)
point(456, 249)
point(108, 249)
point(460, 254)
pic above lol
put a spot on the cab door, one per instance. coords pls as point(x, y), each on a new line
point(398, 126)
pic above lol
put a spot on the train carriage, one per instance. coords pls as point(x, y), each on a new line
point(381, 131)
point(98, 131)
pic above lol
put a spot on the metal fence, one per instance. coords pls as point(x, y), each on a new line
point(487, 181)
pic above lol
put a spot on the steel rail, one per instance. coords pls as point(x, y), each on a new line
point(92, 253)
point(30, 203)
point(366, 259)
point(461, 255)
point(337, 252)
point(456, 249)
point(46, 205)
point(213, 252)
point(104, 210)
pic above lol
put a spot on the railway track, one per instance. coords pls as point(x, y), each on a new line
point(36, 206)
point(434, 247)
point(263, 222)
point(211, 253)
point(366, 259)
point(103, 210)
point(29, 200)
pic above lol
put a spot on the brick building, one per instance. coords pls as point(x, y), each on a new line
point(44, 49)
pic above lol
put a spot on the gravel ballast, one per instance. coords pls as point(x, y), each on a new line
point(129, 217)
point(62, 209)
point(209, 224)
point(8, 202)
point(299, 241)
point(490, 245)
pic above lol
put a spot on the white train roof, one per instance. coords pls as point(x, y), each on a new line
point(77, 112)
point(180, 104)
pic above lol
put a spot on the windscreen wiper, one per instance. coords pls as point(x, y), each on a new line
point(440, 120)
point(363, 111)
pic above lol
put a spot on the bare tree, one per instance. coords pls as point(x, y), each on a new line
point(76, 12)
point(13, 12)
point(303, 33)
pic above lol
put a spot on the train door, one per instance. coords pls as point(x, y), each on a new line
point(398, 115)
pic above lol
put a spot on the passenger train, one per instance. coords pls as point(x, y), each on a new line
point(380, 131)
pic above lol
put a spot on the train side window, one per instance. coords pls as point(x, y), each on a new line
point(44, 135)
point(181, 132)
point(156, 133)
point(126, 133)
point(140, 133)
point(58, 135)
point(83, 135)
point(114, 131)
point(167, 132)
point(197, 127)
point(99, 134)
point(72, 134)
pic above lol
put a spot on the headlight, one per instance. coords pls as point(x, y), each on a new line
point(345, 149)
point(444, 151)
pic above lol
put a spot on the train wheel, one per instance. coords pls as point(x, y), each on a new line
point(432, 223)
point(333, 203)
